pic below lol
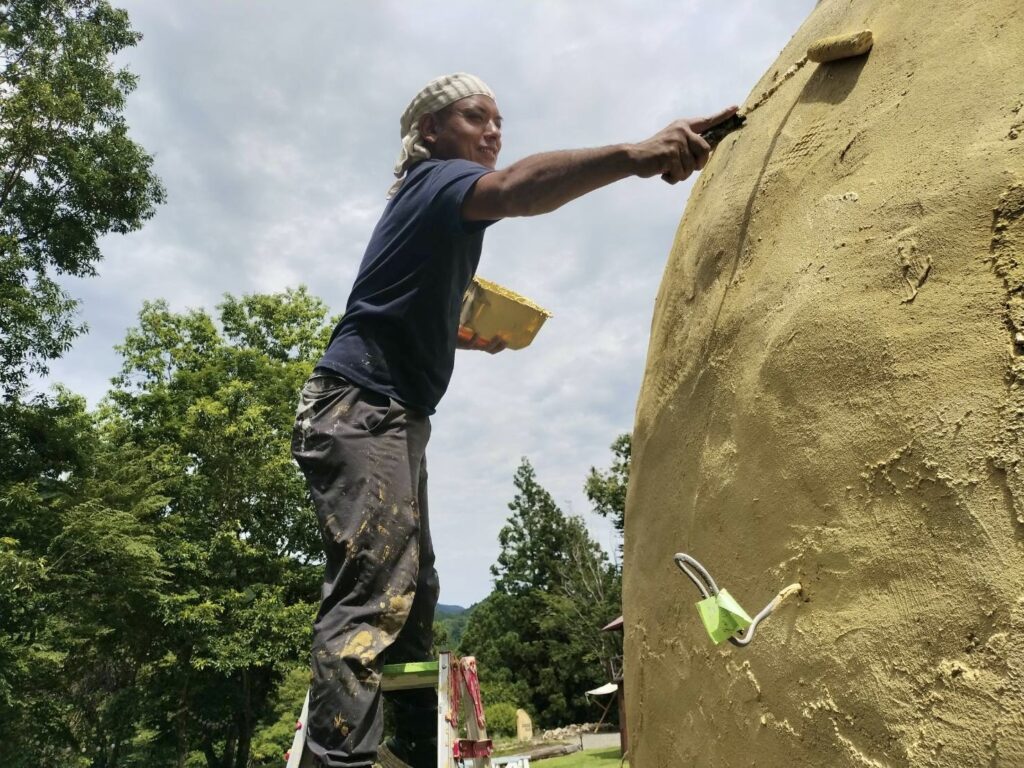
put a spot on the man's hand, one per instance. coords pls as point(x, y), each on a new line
point(677, 150)
point(467, 339)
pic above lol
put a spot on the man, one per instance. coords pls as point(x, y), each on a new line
point(363, 420)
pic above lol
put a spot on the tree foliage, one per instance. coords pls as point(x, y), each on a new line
point(158, 555)
point(78, 561)
point(535, 540)
point(83, 573)
point(237, 534)
point(607, 490)
point(69, 173)
point(537, 635)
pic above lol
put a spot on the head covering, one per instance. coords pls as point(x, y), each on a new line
point(436, 95)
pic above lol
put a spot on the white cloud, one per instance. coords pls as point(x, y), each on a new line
point(275, 128)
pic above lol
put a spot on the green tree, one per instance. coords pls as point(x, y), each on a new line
point(41, 445)
point(537, 634)
point(157, 556)
point(83, 574)
point(237, 535)
point(69, 173)
point(76, 566)
point(500, 634)
point(534, 541)
point(276, 729)
point(607, 490)
point(588, 598)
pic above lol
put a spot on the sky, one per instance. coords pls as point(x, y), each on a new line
point(274, 127)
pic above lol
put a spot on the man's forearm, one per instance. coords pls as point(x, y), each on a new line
point(541, 183)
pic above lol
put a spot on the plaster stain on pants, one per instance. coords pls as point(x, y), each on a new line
point(341, 725)
point(361, 647)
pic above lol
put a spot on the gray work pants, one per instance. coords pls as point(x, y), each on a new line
point(363, 456)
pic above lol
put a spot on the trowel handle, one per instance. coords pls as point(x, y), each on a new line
point(715, 134)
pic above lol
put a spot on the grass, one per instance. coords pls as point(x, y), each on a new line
point(591, 758)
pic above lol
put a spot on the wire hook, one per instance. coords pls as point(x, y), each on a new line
point(704, 582)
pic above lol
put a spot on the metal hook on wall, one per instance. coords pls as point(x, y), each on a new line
point(704, 582)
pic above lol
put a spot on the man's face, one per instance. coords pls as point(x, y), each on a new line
point(469, 129)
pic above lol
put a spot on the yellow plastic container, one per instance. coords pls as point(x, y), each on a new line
point(490, 310)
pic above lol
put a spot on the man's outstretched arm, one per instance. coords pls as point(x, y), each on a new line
point(541, 183)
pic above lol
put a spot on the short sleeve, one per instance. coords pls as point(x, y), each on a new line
point(453, 179)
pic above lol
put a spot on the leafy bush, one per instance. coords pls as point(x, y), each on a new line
point(501, 719)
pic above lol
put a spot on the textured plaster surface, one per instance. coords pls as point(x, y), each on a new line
point(834, 394)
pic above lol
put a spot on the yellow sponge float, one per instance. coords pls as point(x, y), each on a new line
point(841, 46)
point(491, 310)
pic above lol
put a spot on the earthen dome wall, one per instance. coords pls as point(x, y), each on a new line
point(834, 395)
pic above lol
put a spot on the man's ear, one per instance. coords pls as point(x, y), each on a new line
point(428, 127)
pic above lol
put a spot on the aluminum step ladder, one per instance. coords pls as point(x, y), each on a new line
point(458, 695)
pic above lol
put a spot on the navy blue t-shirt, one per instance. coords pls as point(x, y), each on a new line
point(397, 336)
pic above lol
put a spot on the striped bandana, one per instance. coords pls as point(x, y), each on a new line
point(436, 95)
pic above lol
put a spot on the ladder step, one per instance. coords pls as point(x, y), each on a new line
point(416, 674)
point(450, 677)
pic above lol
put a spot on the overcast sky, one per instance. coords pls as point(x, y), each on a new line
point(275, 128)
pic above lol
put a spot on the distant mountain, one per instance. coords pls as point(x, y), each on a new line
point(452, 618)
point(448, 610)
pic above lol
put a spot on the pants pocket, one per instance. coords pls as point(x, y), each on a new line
point(376, 411)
